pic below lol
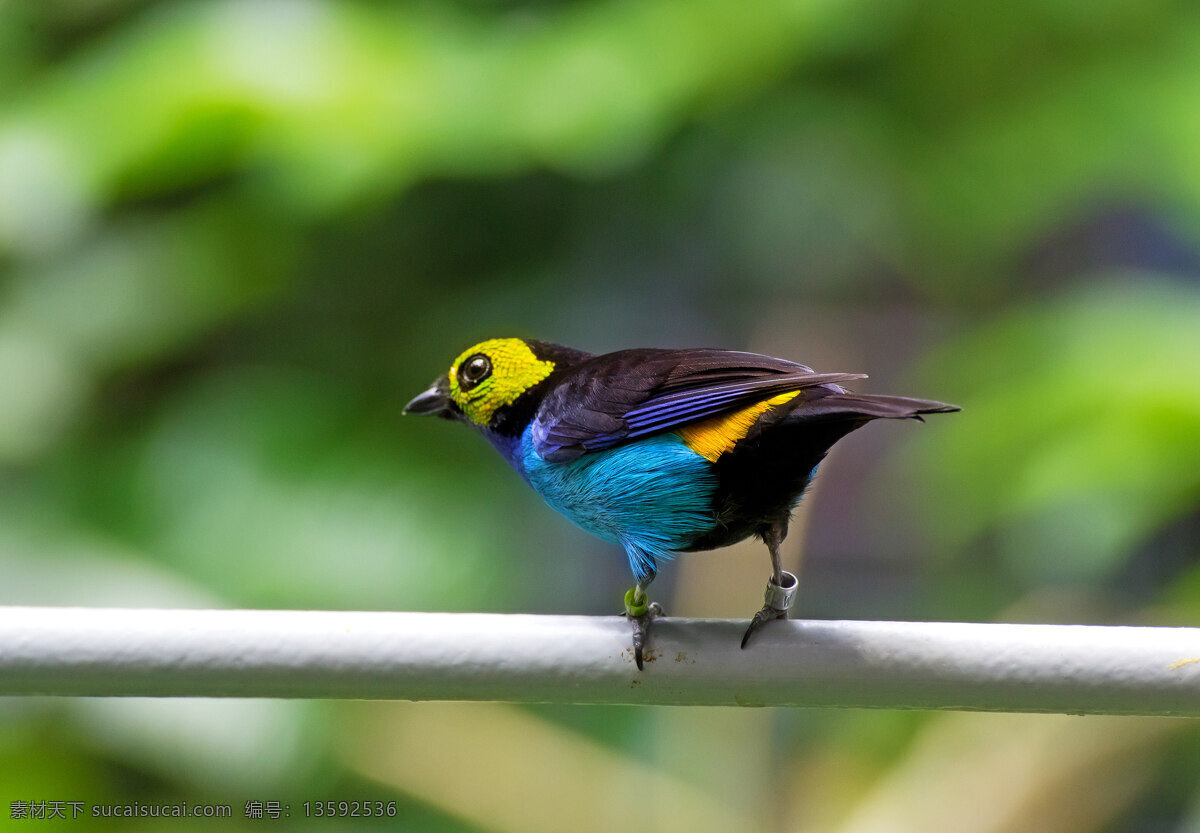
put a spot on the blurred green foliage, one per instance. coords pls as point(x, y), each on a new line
point(236, 236)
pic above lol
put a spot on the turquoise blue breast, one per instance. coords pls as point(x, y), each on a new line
point(653, 497)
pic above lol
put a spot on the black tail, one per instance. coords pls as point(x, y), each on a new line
point(867, 406)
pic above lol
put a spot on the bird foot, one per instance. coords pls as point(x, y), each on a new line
point(640, 614)
point(776, 601)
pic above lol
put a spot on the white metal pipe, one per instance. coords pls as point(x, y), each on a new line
point(577, 659)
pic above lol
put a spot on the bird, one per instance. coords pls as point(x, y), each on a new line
point(662, 451)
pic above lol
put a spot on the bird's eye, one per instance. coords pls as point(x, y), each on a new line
point(473, 371)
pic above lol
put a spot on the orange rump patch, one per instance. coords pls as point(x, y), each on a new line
point(718, 435)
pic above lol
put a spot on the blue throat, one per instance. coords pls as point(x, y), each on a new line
point(508, 446)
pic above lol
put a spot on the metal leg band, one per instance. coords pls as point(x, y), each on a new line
point(781, 598)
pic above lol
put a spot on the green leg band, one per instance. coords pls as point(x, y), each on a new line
point(632, 607)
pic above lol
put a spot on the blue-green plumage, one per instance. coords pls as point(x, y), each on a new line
point(653, 497)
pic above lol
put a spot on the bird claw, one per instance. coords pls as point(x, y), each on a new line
point(777, 599)
point(761, 618)
point(641, 631)
point(641, 617)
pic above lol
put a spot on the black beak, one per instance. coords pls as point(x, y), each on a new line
point(433, 402)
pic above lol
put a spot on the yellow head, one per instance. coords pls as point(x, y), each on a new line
point(492, 374)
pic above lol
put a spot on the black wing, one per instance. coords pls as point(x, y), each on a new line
point(623, 396)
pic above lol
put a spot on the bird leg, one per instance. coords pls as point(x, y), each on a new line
point(781, 586)
point(640, 611)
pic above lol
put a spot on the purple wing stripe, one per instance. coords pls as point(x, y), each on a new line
point(687, 405)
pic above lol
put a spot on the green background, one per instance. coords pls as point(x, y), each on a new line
point(237, 236)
